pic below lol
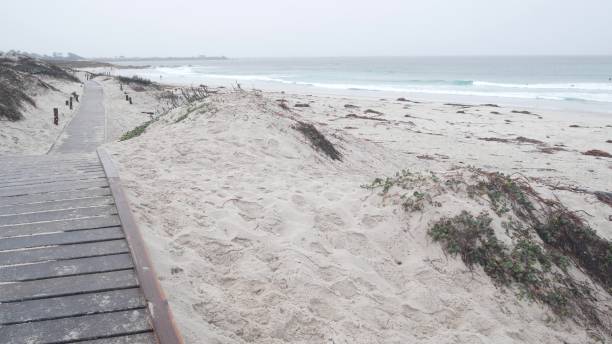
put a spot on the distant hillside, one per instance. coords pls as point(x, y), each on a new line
point(123, 58)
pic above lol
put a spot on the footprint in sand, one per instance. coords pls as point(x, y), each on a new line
point(370, 221)
point(248, 210)
point(327, 221)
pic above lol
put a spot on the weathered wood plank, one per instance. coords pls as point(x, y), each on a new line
point(55, 196)
point(49, 164)
point(63, 238)
point(24, 159)
point(68, 306)
point(65, 268)
point(41, 181)
point(63, 286)
point(33, 159)
point(142, 338)
point(69, 329)
point(59, 226)
point(55, 215)
point(31, 174)
point(38, 173)
point(56, 205)
point(61, 252)
point(52, 187)
point(41, 171)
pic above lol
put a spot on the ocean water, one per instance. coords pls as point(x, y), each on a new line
point(563, 82)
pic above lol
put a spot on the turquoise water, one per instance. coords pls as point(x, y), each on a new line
point(578, 80)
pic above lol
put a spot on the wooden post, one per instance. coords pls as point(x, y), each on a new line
point(130, 100)
point(66, 103)
point(127, 97)
point(55, 116)
point(70, 103)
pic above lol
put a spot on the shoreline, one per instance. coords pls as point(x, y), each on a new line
point(562, 106)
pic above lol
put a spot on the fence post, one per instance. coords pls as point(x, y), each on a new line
point(55, 116)
point(70, 103)
point(130, 100)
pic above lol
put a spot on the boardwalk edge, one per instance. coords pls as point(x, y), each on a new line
point(163, 321)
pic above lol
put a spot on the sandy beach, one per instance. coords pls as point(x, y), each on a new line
point(306, 172)
point(258, 237)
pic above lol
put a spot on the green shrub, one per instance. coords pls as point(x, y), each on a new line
point(136, 131)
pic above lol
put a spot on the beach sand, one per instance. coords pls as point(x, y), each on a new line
point(259, 238)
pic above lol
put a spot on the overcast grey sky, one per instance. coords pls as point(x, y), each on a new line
point(243, 28)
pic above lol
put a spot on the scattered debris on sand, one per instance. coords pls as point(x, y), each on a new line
point(352, 115)
point(374, 112)
point(605, 197)
point(599, 153)
point(523, 139)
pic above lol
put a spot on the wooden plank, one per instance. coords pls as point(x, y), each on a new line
point(56, 205)
point(55, 215)
point(63, 238)
point(80, 328)
point(32, 160)
point(163, 321)
point(25, 159)
point(142, 338)
point(59, 226)
point(65, 268)
point(70, 306)
point(42, 171)
point(31, 173)
point(52, 187)
point(64, 286)
point(44, 180)
point(55, 196)
point(49, 164)
point(71, 251)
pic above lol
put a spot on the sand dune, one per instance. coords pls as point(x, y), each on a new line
point(259, 237)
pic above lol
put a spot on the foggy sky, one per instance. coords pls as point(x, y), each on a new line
point(242, 28)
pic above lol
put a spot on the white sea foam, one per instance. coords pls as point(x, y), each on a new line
point(575, 86)
point(595, 92)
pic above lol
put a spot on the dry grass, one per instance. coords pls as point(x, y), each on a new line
point(318, 140)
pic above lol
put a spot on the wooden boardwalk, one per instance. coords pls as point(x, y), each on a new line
point(73, 267)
